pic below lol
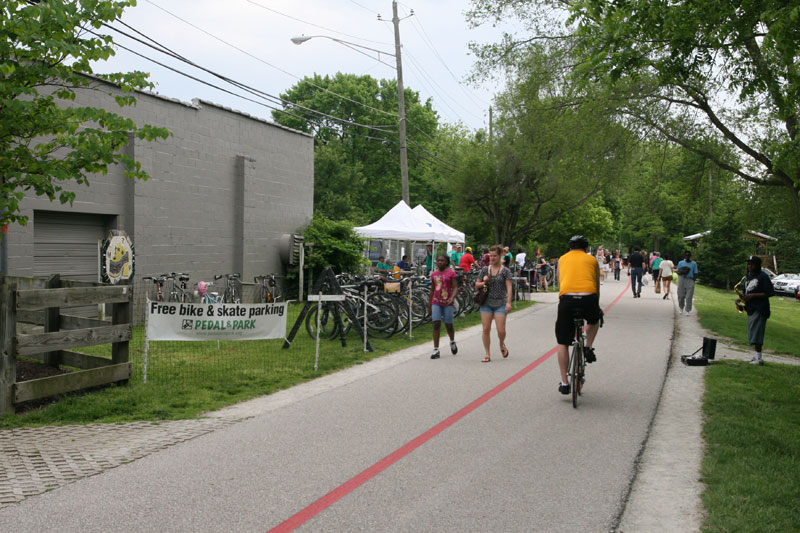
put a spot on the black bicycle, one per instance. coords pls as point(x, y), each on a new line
point(269, 290)
point(233, 291)
point(577, 362)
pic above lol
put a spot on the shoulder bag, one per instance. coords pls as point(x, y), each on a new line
point(481, 294)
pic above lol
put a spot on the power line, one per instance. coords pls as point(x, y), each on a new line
point(312, 125)
point(427, 40)
point(282, 101)
point(311, 23)
point(364, 7)
point(307, 80)
point(433, 81)
point(424, 77)
point(198, 28)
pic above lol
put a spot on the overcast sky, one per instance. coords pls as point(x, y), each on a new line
point(436, 57)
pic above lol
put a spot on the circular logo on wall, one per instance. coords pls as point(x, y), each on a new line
point(117, 263)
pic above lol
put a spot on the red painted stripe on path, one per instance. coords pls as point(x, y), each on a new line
point(353, 483)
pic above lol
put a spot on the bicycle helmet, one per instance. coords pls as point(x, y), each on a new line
point(578, 242)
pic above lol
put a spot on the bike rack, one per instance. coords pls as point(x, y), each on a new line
point(327, 280)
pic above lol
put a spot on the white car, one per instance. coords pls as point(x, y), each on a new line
point(788, 284)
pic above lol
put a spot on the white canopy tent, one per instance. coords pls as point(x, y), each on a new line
point(453, 234)
point(401, 223)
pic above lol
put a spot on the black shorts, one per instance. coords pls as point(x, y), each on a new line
point(587, 306)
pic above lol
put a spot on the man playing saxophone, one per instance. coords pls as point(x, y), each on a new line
point(757, 292)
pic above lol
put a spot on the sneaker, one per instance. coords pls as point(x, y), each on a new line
point(589, 355)
point(453, 347)
point(680, 312)
point(435, 354)
point(563, 389)
point(756, 361)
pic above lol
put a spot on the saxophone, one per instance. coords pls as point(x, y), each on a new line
point(739, 302)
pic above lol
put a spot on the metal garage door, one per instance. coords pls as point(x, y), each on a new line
point(66, 244)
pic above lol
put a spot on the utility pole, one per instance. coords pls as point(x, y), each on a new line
point(401, 104)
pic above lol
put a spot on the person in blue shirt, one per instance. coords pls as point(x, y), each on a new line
point(687, 275)
point(757, 292)
point(403, 263)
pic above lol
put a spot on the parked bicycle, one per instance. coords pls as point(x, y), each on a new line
point(207, 296)
point(159, 282)
point(381, 316)
point(179, 290)
point(233, 291)
point(268, 288)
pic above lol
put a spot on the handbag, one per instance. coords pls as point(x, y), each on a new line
point(480, 295)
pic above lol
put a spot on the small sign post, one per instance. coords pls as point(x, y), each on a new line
point(319, 298)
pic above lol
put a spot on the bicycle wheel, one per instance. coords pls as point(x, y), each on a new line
point(327, 324)
point(382, 320)
point(576, 373)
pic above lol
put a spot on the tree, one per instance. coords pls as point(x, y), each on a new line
point(693, 71)
point(336, 244)
point(554, 149)
point(722, 253)
point(357, 165)
point(46, 52)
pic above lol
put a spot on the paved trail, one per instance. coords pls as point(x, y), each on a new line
point(405, 444)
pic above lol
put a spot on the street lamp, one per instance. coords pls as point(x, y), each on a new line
point(401, 100)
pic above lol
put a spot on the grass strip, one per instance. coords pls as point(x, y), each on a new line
point(751, 468)
point(717, 313)
point(197, 377)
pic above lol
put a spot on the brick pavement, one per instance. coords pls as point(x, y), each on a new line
point(37, 460)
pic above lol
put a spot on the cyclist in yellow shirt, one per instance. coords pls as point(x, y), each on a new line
point(579, 290)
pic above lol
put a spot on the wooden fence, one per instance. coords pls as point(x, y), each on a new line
point(32, 325)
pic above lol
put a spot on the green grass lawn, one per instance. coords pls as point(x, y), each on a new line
point(717, 313)
point(751, 468)
point(189, 378)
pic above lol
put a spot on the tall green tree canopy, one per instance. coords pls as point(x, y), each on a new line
point(46, 51)
point(554, 148)
point(357, 162)
point(693, 71)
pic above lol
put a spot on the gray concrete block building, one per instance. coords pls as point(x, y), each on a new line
point(224, 188)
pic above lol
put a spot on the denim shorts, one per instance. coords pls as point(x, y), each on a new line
point(499, 310)
point(439, 311)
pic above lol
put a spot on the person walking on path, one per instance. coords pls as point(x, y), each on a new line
point(665, 268)
point(617, 265)
point(601, 261)
point(655, 267)
point(444, 289)
point(579, 290)
point(757, 291)
point(635, 270)
point(544, 268)
point(687, 275)
point(498, 301)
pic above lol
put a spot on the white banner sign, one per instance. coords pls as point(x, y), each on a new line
point(201, 322)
